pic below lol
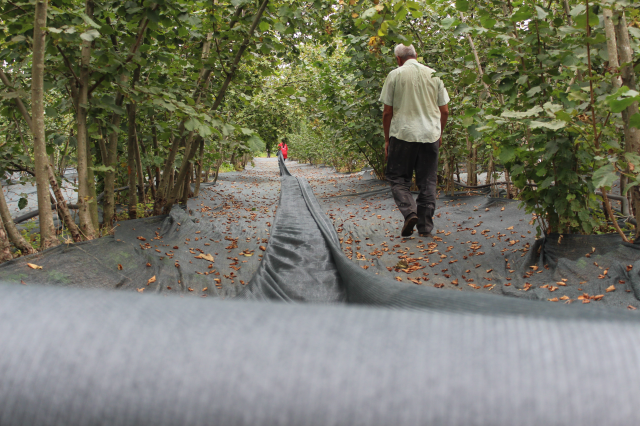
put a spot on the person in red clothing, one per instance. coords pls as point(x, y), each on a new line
point(282, 146)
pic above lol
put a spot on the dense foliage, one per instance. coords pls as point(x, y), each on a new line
point(155, 95)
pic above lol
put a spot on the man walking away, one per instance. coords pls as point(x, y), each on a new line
point(415, 114)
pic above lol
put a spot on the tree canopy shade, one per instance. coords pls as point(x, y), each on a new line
point(152, 95)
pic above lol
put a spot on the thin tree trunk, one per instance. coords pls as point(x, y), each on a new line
point(156, 151)
point(110, 176)
point(631, 134)
point(165, 189)
point(14, 235)
point(5, 246)
point(612, 50)
point(108, 204)
point(84, 192)
point(140, 172)
point(63, 157)
point(184, 169)
point(196, 192)
point(470, 160)
point(186, 189)
point(63, 210)
point(131, 159)
point(93, 196)
point(151, 184)
point(47, 231)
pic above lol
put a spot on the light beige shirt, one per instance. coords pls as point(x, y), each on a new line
point(415, 96)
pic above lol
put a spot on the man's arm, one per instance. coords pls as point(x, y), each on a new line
point(444, 116)
point(387, 115)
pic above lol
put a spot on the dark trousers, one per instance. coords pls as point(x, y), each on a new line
point(404, 159)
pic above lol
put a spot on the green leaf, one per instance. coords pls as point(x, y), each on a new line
point(528, 113)
point(581, 20)
point(507, 154)
point(546, 183)
point(447, 23)
point(629, 185)
point(264, 26)
point(534, 90)
point(102, 168)
point(192, 124)
point(551, 125)
point(619, 105)
point(605, 176)
point(462, 5)
point(488, 22)
point(51, 112)
point(369, 13)
point(90, 35)
point(22, 203)
point(541, 12)
point(90, 21)
point(522, 14)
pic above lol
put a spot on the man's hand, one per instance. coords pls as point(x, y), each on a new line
point(386, 150)
point(387, 115)
point(444, 116)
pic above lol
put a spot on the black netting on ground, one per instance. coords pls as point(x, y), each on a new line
point(480, 245)
point(464, 346)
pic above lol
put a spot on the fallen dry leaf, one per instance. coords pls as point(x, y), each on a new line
point(34, 266)
point(611, 288)
point(205, 257)
point(140, 290)
point(151, 280)
point(205, 289)
point(629, 268)
point(263, 248)
point(119, 267)
point(510, 228)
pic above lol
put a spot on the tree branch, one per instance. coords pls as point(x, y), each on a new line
point(236, 61)
point(68, 64)
point(142, 27)
point(18, 101)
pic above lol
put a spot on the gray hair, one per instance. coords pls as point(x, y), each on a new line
point(404, 52)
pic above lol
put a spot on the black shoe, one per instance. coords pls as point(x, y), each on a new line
point(409, 223)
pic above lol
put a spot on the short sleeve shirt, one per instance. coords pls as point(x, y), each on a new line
point(415, 95)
